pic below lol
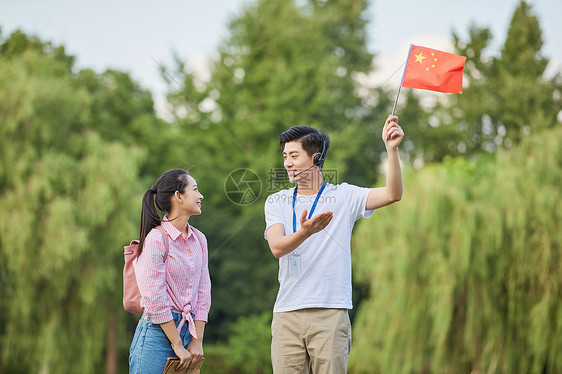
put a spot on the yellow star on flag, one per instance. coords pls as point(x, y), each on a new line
point(419, 58)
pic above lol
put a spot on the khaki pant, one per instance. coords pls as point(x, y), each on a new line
point(316, 338)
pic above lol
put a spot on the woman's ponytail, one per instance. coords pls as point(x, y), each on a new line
point(149, 216)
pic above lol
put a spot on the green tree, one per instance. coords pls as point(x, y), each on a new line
point(509, 96)
point(66, 200)
point(122, 111)
point(505, 97)
point(528, 101)
point(464, 271)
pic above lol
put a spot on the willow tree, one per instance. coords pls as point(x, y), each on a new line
point(65, 198)
point(464, 273)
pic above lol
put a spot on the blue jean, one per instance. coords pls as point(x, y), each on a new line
point(151, 347)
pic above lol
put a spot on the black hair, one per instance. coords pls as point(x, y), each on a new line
point(312, 140)
point(160, 196)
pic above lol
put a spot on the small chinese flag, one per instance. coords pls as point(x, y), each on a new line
point(430, 69)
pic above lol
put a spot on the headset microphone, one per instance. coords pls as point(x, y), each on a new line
point(300, 172)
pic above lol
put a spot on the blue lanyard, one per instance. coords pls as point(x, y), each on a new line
point(311, 209)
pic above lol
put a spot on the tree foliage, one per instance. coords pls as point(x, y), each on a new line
point(64, 206)
point(464, 271)
point(505, 97)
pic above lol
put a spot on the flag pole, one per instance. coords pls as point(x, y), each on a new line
point(402, 80)
point(396, 100)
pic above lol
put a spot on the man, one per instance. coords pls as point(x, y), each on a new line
point(308, 229)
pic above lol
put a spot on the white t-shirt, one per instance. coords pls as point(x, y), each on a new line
point(323, 277)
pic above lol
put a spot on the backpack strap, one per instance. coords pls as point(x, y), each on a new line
point(165, 237)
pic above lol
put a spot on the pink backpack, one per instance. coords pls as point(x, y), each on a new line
point(131, 293)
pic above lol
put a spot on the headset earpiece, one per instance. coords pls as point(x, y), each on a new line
point(319, 159)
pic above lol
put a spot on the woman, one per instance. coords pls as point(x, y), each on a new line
point(175, 289)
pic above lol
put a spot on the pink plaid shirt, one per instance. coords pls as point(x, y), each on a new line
point(181, 283)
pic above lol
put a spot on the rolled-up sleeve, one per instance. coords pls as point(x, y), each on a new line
point(201, 310)
point(150, 271)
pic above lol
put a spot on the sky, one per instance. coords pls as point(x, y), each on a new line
point(137, 36)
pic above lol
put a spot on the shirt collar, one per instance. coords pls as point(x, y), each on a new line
point(172, 231)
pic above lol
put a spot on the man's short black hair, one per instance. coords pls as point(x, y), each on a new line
point(311, 139)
